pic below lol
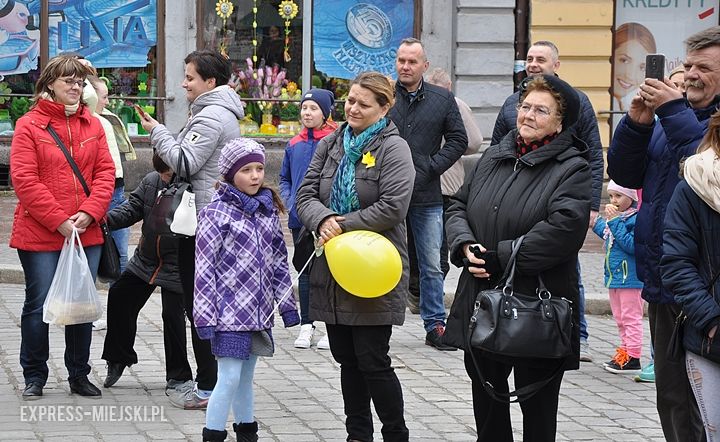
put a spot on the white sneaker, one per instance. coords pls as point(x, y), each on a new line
point(99, 325)
point(323, 343)
point(304, 339)
point(585, 355)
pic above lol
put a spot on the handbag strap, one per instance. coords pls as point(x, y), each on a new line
point(520, 394)
point(70, 160)
point(509, 274)
point(182, 160)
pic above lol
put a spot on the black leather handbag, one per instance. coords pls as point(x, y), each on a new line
point(174, 211)
point(109, 267)
point(508, 323)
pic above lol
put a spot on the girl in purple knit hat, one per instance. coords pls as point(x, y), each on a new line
point(241, 272)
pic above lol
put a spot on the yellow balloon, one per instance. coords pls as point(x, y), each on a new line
point(364, 263)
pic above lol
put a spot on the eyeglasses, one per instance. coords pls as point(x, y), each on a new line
point(540, 111)
point(72, 82)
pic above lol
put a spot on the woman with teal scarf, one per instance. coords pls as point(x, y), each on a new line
point(361, 178)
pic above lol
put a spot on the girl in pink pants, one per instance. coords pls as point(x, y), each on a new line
point(617, 227)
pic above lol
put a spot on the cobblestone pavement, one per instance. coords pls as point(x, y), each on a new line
point(298, 392)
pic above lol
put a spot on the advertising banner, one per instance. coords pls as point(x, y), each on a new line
point(109, 33)
point(648, 27)
point(350, 36)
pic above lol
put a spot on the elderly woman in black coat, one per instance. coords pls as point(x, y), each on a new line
point(535, 182)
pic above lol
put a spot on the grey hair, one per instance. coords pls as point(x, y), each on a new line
point(440, 77)
point(703, 39)
point(548, 44)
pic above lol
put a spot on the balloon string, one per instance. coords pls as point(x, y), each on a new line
point(294, 281)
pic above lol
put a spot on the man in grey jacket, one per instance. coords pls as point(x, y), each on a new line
point(426, 114)
point(543, 58)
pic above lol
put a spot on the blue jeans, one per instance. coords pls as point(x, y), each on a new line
point(581, 305)
point(121, 236)
point(426, 223)
point(39, 269)
point(303, 288)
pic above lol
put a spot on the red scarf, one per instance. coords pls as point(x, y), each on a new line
point(522, 147)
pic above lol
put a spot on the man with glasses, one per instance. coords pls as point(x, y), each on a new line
point(543, 58)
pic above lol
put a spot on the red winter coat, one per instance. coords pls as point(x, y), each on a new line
point(48, 191)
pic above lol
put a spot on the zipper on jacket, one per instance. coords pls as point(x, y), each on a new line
point(75, 183)
point(160, 262)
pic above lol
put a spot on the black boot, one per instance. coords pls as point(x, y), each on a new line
point(246, 432)
point(213, 435)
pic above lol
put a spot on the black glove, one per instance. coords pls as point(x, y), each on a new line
point(492, 262)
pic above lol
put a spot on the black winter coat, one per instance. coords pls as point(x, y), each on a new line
point(586, 129)
point(544, 195)
point(156, 258)
point(424, 121)
point(691, 258)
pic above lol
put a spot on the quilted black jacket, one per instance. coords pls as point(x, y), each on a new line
point(423, 121)
point(586, 129)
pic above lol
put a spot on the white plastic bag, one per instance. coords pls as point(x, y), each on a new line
point(72, 298)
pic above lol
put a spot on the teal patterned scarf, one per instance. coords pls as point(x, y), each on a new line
point(344, 198)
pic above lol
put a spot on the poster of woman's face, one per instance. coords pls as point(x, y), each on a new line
point(633, 42)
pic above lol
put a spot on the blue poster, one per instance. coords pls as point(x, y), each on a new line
point(109, 33)
point(351, 36)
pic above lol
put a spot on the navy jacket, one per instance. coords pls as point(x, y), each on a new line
point(424, 120)
point(691, 260)
point(298, 154)
point(647, 158)
point(586, 129)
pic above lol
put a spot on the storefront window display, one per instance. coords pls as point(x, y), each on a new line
point(263, 39)
point(118, 37)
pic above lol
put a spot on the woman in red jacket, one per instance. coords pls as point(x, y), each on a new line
point(51, 201)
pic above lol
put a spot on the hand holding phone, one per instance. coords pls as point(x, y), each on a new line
point(655, 66)
point(141, 112)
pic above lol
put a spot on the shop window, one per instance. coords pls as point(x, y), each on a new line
point(263, 40)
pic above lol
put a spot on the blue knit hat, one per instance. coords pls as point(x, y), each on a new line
point(324, 98)
point(237, 153)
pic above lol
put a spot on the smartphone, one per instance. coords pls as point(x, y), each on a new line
point(655, 66)
point(141, 111)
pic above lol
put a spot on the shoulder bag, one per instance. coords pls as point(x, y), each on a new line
point(174, 211)
point(512, 324)
point(675, 351)
point(109, 267)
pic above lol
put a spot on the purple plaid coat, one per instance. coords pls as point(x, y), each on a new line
point(241, 267)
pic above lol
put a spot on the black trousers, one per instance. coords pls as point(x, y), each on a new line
point(365, 375)
point(676, 404)
point(492, 418)
point(126, 298)
point(206, 362)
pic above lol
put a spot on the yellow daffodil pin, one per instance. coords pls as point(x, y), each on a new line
point(368, 160)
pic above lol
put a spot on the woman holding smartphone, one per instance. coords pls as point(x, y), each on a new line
point(214, 111)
